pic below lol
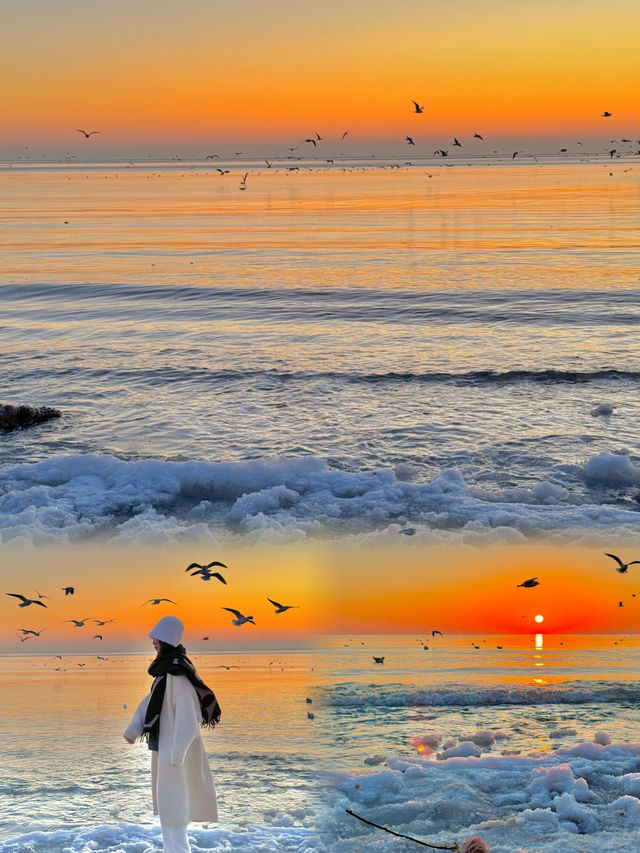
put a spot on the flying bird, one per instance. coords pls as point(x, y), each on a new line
point(206, 575)
point(606, 114)
point(478, 136)
point(103, 621)
point(345, 133)
point(529, 583)
point(68, 590)
point(409, 140)
point(21, 638)
point(268, 164)
point(25, 602)
point(515, 154)
point(433, 633)
point(97, 636)
point(86, 133)
point(240, 619)
point(212, 156)
point(40, 595)
point(280, 608)
point(416, 107)
point(456, 142)
point(612, 152)
point(79, 623)
point(440, 152)
point(35, 633)
point(313, 142)
point(205, 566)
point(157, 601)
point(622, 567)
point(223, 171)
point(378, 660)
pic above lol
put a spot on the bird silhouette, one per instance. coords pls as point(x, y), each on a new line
point(103, 621)
point(87, 133)
point(79, 623)
point(68, 590)
point(345, 134)
point(35, 633)
point(25, 602)
point(312, 141)
point(205, 565)
point(433, 633)
point(514, 155)
point(622, 567)
point(223, 171)
point(240, 619)
point(440, 152)
point(280, 608)
point(206, 575)
point(456, 142)
point(478, 136)
point(97, 636)
point(529, 583)
point(409, 140)
point(378, 660)
point(606, 114)
point(157, 601)
point(416, 107)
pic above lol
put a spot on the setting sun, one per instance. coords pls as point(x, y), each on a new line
point(539, 618)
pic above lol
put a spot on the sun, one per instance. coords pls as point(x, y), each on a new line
point(539, 618)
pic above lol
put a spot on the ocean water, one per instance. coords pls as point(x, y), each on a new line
point(69, 781)
point(333, 350)
point(530, 742)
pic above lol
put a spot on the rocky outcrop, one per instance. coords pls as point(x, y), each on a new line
point(17, 417)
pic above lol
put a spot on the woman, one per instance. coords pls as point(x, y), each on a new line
point(169, 718)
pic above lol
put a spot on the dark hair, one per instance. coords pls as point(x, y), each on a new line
point(165, 648)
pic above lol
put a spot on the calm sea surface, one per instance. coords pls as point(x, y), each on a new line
point(368, 329)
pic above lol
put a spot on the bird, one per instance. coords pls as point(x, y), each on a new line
point(280, 608)
point(212, 156)
point(243, 182)
point(433, 633)
point(620, 604)
point(227, 666)
point(68, 590)
point(86, 133)
point(40, 595)
point(308, 700)
point(478, 136)
point(157, 601)
point(79, 623)
point(97, 637)
point(345, 133)
point(21, 638)
point(318, 137)
point(99, 657)
point(312, 141)
point(378, 660)
point(102, 621)
point(416, 107)
point(408, 531)
point(310, 715)
point(456, 142)
point(223, 171)
point(514, 155)
point(612, 152)
point(268, 164)
point(622, 567)
point(240, 619)
point(440, 152)
point(206, 575)
point(529, 583)
point(205, 566)
point(26, 601)
point(409, 140)
point(606, 114)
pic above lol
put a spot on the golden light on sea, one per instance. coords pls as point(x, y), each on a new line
point(539, 618)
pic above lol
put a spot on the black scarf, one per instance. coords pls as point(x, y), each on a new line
point(174, 661)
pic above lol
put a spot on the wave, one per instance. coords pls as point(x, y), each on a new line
point(577, 307)
point(66, 498)
point(457, 695)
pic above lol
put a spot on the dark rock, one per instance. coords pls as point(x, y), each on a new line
point(16, 417)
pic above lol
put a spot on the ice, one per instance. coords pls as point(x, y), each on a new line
point(68, 498)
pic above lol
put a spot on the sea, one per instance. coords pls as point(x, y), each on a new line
point(530, 742)
point(342, 349)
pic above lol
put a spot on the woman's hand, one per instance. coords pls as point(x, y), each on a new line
point(128, 739)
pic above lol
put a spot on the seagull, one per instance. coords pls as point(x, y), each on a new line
point(40, 595)
point(313, 142)
point(433, 633)
point(318, 137)
point(97, 636)
point(157, 601)
point(103, 621)
point(243, 182)
point(280, 608)
point(529, 583)
point(26, 601)
point(79, 623)
point(612, 152)
point(478, 136)
point(310, 715)
point(606, 114)
point(620, 604)
point(416, 107)
point(99, 657)
point(68, 590)
point(35, 633)
point(240, 619)
point(206, 575)
point(268, 164)
point(212, 156)
point(515, 154)
point(345, 133)
point(223, 171)
point(86, 134)
point(21, 638)
point(455, 142)
point(226, 666)
point(207, 566)
point(622, 567)
point(440, 152)
point(378, 660)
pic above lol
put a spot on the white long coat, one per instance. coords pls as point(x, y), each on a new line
point(181, 780)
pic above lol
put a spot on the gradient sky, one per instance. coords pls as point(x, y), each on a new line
point(187, 76)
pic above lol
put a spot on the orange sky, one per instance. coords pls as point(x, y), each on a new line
point(198, 73)
point(340, 588)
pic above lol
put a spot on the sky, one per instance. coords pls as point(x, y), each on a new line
point(338, 588)
point(163, 78)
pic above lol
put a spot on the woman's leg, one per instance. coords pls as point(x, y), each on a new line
point(174, 839)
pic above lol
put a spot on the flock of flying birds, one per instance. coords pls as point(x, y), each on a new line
point(418, 109)
point(203, 571)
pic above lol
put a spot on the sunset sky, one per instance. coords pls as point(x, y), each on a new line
point(185, 77)
point(339, 589)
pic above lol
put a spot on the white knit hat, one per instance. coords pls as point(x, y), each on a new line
point(169, 629)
